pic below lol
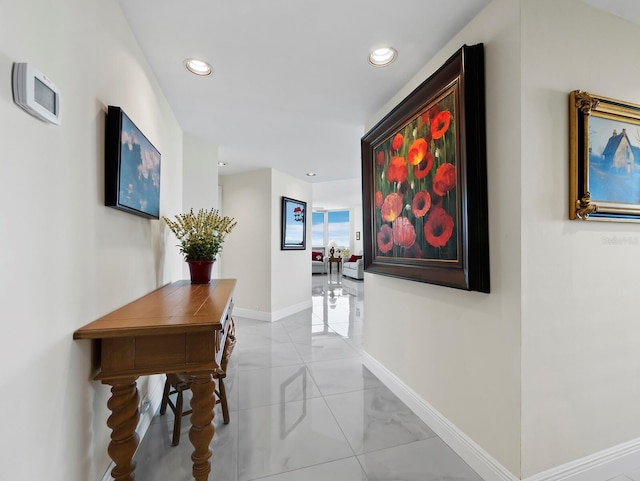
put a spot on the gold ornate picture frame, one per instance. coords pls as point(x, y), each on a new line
point(604, 158)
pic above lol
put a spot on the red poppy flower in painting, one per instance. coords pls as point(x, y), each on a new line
point(403, 188)
point(385, 239)
point(417, 151)
point(404, 234)
point(397, 170)
point(413, 252)
point(397, 142)
point(440, 124)
point(421, 204)
point(424, 167)
point(379, 199)
point(431, 113)
point(438, 228)
point(391, 207)
point(436, 200)
point(444, 179)
point(380, 158)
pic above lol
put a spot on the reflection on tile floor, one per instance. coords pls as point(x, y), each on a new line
point(303, 407)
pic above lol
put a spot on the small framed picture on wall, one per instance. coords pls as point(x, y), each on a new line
point(294, 224)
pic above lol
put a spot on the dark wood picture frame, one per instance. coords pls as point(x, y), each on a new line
point(131, 166)
point(294, 224)
point(425, 181)
point(604, 156)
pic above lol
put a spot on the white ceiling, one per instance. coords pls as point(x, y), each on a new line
point(627, 9)
point(292, 88)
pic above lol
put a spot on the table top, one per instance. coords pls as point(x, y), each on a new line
point(175, 308)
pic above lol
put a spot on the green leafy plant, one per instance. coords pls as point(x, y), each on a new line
point(201, 235)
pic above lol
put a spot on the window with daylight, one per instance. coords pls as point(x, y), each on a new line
point(338, 227)
point(317, 229)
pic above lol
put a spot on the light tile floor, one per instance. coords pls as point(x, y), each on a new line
point(304, 408)
point(630, 476)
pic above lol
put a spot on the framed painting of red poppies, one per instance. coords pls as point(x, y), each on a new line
point(425, 181)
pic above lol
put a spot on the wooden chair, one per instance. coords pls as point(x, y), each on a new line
point(178, 383)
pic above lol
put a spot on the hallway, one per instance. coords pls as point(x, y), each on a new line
point(303, 407)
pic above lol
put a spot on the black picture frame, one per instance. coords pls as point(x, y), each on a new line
point(604, 154)
point(424, 220)
point(294, 224)
point(131, 166)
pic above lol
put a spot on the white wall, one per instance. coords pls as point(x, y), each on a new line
point(580, 330)
point(247, 252)
point(557, 337)
point(65, 259)
point(460, 351)
point(271, 283)
point(200, 174)
point(356, 216)
point(290, 269)
point(200, 183)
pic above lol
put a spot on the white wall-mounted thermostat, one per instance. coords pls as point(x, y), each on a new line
point(36, 93)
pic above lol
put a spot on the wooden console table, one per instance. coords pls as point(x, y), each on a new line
point(180, 327)
point(334, 260)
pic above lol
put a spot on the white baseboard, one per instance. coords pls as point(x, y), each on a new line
point(600, 466)
point(476, 457)
point(289, 310)
point(274, 315)
point(155, 398)
point(252, 314)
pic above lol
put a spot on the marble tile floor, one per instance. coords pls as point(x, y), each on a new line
point(304, 408)
point(633, 475)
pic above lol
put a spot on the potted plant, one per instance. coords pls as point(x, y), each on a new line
point(201, 237)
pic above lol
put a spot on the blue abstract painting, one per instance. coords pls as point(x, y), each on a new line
point(139, 176)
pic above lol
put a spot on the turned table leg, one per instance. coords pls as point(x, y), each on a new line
point(229, 344)
point(201, 433)
point(123, 422)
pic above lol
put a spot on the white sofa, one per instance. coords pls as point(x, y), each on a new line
point(318, 261)
point(353, 269)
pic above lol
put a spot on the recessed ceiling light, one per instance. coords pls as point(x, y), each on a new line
point(222, 164)
point(381, 57)
point(311, 174)
point(198, 67)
